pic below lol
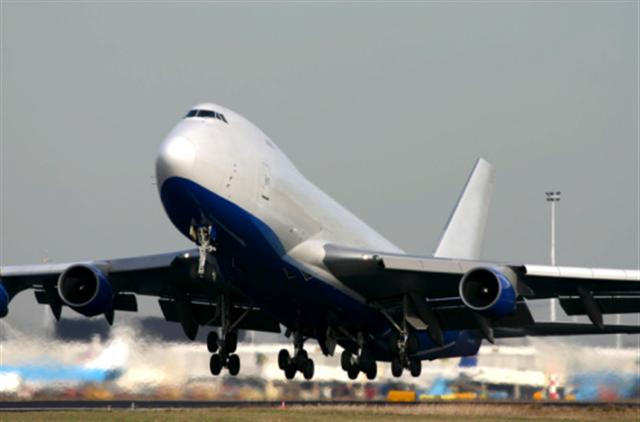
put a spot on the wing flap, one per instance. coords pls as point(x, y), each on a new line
point(205, 314)
point(551, 281)
point(462, 318)
point(607, 305)
point(563, 329)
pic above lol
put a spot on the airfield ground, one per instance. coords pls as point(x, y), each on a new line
point(450, 412)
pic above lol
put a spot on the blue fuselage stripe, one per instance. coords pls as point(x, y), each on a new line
point(271, 282)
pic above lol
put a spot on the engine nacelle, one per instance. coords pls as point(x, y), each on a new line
point(488, 291)
point(86, 290)
point(4, 301)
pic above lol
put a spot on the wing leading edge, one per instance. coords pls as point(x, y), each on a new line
point(385, 279)
point(172, 277)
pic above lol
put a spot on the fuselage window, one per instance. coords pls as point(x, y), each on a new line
point(207, 114)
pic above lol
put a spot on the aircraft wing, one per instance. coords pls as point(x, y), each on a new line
point(432, 288)
point(172, 277)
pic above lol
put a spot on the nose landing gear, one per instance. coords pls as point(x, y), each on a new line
point(204, 237)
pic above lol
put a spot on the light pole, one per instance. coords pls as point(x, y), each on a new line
point(553, 197)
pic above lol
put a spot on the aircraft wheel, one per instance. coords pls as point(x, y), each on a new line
point(231, 342)
point(415, 367)
point(283, 359)
point(215, 364)
point(233, 365)
point(345, 360)
point(372, 370)
point(302, 355)
point(353, 372)
point(290, 371)
point(308, 369)
point(396, 367)
point(212, 342)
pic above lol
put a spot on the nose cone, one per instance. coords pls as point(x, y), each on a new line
point(175, 159)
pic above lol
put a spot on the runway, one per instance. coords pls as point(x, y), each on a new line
point(47, 405)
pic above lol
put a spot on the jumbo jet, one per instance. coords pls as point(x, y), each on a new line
point(272, 250)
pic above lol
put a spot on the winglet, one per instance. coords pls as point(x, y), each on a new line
point(464, 233)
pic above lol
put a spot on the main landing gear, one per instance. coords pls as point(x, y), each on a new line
point(403, 360)
point(405, 345)
point(398, 364)
point(223, 348)
point(359, 362)
point(300, 360)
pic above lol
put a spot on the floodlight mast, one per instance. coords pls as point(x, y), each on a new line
point(553, 197)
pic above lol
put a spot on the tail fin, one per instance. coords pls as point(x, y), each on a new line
point(464, 233)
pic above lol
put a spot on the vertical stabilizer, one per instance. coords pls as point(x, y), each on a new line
point(463, 236)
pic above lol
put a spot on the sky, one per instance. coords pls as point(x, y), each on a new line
point(385, 106)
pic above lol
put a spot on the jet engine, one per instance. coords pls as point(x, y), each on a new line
point(86, 290)
point(488, 291)
point(4, 301)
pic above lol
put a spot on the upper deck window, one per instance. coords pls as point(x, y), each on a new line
point(207, 114)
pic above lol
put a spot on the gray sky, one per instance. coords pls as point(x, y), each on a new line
point(384, 106)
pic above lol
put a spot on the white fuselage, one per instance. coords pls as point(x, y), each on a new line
point(237, 161)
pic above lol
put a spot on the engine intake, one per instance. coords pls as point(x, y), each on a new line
point(86, 290)
point(488, 291)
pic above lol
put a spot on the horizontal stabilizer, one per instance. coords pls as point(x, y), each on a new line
point(464, 233)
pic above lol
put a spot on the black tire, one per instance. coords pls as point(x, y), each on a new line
point(212, 342)
point(353, 372)
point(215, 364)
point(372, 370)
point(396, 367)
point(283, 359)
point(290, 372)
point(233, 365)
point(231, 342)
point(415, 367)
point(308, 369)
point(345, 360)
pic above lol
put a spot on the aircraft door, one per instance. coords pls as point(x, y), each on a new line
point(265, 183)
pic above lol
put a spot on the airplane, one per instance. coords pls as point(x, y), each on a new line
point(271, 250)
point(108, 365)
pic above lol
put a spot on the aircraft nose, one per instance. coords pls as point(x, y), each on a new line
point(175, 159)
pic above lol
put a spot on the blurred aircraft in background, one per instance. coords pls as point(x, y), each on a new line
point(106, 366)
point(274, 249)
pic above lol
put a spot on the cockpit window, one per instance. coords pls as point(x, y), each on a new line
point(206, 114)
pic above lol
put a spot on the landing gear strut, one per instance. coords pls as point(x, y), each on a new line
point(359, 362)
point(300, 360)
point(223, 348)
point(202, 235)
point(404, 346)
